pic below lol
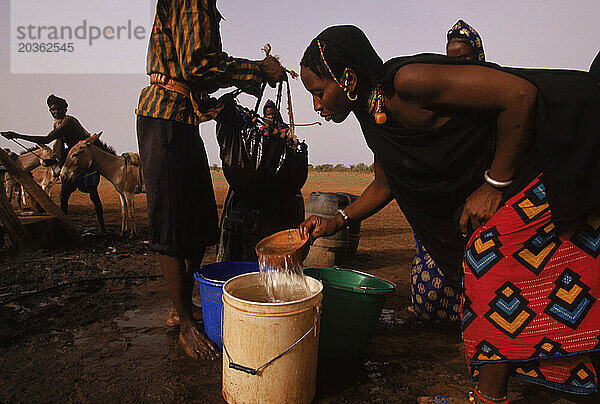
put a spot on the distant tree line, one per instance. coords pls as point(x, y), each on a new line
point(355, 168)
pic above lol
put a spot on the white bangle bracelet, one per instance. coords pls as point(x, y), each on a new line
point(495, 183)
point(344, 216)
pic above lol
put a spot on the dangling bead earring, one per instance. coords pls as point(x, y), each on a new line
point(376, 103)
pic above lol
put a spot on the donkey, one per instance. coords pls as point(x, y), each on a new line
point(28, 161)
point(51, 173)
point(124, 173)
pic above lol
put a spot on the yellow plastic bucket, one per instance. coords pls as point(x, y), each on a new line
point(269, 349)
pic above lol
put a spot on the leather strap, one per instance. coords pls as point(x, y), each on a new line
point(176, 86)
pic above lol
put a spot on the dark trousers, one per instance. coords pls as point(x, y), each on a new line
point(182, 211)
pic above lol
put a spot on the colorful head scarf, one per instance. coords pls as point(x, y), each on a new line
point(463, 30)
point(269, 104)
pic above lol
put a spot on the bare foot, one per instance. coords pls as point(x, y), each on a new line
point(197, 345)
point(172, 319)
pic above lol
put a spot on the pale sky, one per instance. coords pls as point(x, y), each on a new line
point(518, 33)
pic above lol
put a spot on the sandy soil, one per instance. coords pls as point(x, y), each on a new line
point(87, 324)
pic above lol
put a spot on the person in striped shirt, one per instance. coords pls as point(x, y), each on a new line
point(186, 63)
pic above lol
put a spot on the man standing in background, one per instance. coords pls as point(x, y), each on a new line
point(66, 133)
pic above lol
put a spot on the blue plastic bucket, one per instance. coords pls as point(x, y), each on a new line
point(211, 279)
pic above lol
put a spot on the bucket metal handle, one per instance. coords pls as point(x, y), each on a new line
point(253, 371)
point(359, 287)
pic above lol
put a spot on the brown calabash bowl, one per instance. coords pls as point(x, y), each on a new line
point(298, 247)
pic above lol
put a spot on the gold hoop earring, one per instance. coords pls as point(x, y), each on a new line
point(352, 96)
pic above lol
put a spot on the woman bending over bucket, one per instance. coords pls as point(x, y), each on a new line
point(495, 170)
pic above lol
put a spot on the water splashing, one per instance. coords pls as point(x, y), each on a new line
point(281, 271)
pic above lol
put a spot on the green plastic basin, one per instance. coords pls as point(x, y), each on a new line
point(352, 304)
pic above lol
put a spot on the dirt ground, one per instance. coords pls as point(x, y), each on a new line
point(87, 324)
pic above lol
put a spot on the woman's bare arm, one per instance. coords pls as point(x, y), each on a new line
point(374, 198)
point(448, 88)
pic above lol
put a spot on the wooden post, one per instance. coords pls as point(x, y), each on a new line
point(15, 229)
point(36, 192)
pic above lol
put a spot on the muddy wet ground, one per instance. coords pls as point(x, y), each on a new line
point(87, 324)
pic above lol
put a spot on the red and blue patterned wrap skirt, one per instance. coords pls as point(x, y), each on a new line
point(530, 297)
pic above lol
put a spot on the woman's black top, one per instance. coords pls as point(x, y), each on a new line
point(432, 171)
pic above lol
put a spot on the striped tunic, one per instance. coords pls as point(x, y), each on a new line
point(185, 45)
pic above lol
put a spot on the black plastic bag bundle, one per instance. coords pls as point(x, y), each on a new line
point(259, 168)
